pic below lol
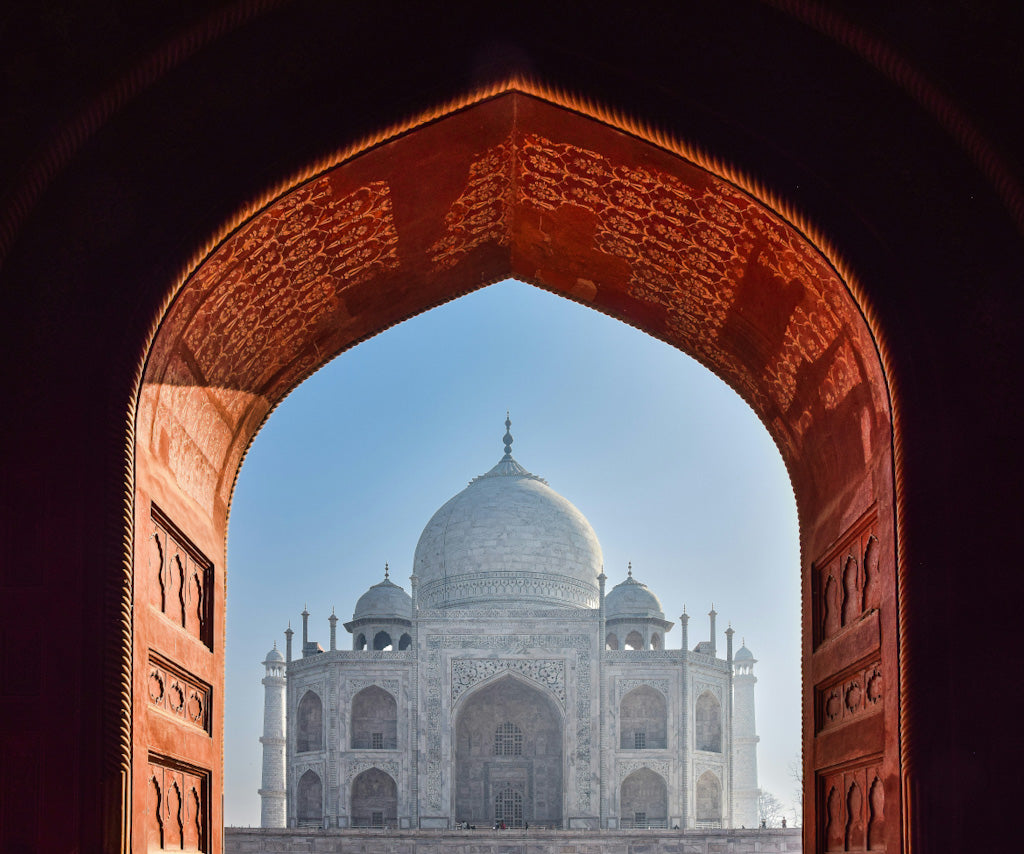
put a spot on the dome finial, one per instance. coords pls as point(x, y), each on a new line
point(629, 569)
point(507, 438)
point(386, 570)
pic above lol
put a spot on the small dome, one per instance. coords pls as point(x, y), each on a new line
point(632, 598)
point(274, 656)
point(744, 654)
point(386, 599)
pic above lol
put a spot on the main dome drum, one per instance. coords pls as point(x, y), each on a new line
point(508, 538)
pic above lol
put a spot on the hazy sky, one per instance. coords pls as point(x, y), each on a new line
point(672, 469)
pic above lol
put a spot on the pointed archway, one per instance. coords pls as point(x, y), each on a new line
point(641, 229)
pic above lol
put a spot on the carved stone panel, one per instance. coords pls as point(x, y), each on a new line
point(851, 808)
point(845, 579)
point(176, 691)
point(181, 579)
point(549, 672)
point(852, 695)
point(176, 811)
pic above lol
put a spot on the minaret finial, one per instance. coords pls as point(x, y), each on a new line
point(386, 570)
point(507, 438)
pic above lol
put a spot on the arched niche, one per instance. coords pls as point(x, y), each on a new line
point(309, 799)
point(382, 640)
point(643, 799)
point(374, 800)
point(508, 738)
point(563, 195)
point(707, 716)
point(309, 723)
point(374, 720)
point(708, 800)
point(643, 720)
point(612, 641)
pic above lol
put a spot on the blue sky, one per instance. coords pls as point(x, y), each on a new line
point(672, 469)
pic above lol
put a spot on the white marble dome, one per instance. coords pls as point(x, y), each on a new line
point(384, 600)
point(508, 539)
point(632, 598)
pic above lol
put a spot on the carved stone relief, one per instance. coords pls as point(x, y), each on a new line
point(846, 579)
point(181, 579)
point(850, 696)
point(624, 686)
point(175, 690)
point(549, 672)
point(659, 766)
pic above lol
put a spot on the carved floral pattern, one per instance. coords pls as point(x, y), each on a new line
point(663, 767)
point(179, 693)
point(624, 686)
point(850, 697)
point(548, 672)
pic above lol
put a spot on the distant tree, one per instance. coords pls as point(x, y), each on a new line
point(770, 809)
point(796, 771)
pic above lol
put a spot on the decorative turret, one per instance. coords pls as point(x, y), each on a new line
point(633, 616)
point(273, 798)
point(382, 618)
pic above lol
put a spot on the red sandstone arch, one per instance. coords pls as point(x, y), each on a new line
point(611, 216)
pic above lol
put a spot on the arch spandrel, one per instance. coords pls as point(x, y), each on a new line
point(535, 193)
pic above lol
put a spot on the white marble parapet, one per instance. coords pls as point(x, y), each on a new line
point(239, 840)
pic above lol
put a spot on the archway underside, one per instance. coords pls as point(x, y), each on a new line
point(516, 186)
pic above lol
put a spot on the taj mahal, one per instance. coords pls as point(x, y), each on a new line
point(509, 688)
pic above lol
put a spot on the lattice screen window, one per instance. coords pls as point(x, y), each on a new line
point(639, 740)
point(508, 740)
point(508, 808)
point(377, 741)
point(639, 819)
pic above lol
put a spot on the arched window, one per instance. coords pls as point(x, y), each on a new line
point(309, 807)
point(655, 641)
point(374, 800)
point(382, 640)
point(612, 641)
point(508, 741)
point(643, 720)
point(508, 808)
point(634, 640)
point(404, 641)
point(374, 720)
point(709, 723)
point(359, 642)
point(709, 798)
point(310, 732)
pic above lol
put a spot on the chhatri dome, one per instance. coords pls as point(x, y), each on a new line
point(632, 598)
point(384, 600)
point(508, 538)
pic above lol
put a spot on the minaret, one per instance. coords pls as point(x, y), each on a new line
point(272, 792)
point(745, 739)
